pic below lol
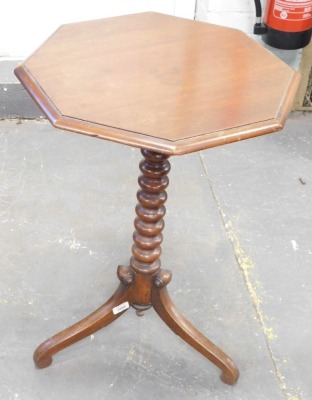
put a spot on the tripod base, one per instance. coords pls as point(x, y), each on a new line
point(143, 283)
point(130, 292)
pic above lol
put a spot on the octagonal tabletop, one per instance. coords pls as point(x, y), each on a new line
point(159, 82)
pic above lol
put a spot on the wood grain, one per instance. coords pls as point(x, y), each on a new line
point(159, 82)
point(169, 86)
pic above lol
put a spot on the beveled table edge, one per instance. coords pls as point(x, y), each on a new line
point(136, 139)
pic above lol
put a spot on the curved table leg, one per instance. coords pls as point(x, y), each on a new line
point(178, 324)
point(98, 319)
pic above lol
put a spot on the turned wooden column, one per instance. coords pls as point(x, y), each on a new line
point(150, 211)
point(149, 224)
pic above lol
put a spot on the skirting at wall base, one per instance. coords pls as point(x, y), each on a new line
point(14, 101)
point(303, 101)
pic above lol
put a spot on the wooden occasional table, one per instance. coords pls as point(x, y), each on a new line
point(168, 86)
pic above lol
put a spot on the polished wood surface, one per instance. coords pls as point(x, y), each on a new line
point(169, 86)
point(159, 82)
point(143, 284)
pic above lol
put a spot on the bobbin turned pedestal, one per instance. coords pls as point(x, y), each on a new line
point(143, 283)
point(169, 86)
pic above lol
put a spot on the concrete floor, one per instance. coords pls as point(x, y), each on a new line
point(238, 239)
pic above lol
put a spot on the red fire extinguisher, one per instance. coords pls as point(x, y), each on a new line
point(287, 23)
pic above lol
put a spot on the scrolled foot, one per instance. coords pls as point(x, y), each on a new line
point(41, 360)
point(182, 327)
point(100, 318)
point(230, 378)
